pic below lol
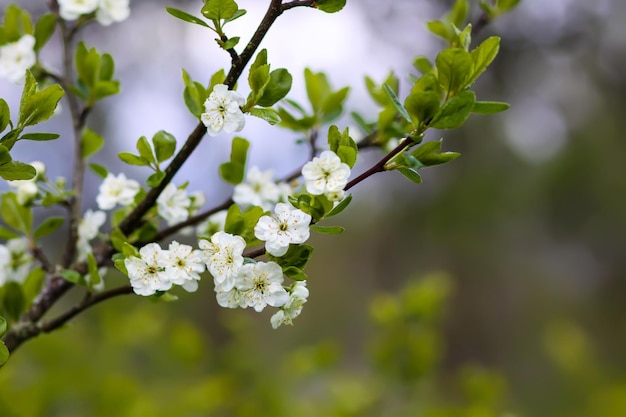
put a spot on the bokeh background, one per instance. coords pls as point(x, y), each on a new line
point(495, 288)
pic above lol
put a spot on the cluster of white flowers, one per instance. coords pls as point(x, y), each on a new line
point(16, 58)
point(16, 261)
point(27, 190)
point(327, 175)
point(116, 190)
point(222, 111)
point(107, 11)
point(260, 189)
point(88, 229)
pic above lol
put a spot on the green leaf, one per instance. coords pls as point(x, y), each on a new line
point(297, 256)
point(145, 149)
point(237, 15)
point(15, 170)
point(277, 88)
point(317, 88)
point(92, 268)
point(48, 226)
point(194, 95)
point(330, 6)
point(99, 170)
point(118, 239)
point(295, 273)
point(425, 98)
point(411, 174)
point(91, 143)
point(230, 43)
point(4, 353)
point(396, 103)
point(7, 234)
point(458, 14)
point(453, 67)
point(219, 9)
point(39, 106)
point(13, 300)
point(233, 171)
point(104, 89)
point(132, 159)
point(482, 56)
point(455, 111)
point(155, 179)
point(40, 137)
point(328, 230)
point(428, 154)
point(107, 68)
point(5, 115)
point(164, 145)
point(441, 29)
point(186, 17)
point(44, 28)
point(489, 107)
point(32, 285)
point(73, 277)
point(333, 105)
point(3, 326)
point(340, 207)
point(423, 65)
point(269, 115)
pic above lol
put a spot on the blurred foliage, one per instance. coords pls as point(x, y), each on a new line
point(158, 364)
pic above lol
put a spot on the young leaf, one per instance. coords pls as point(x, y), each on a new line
point(13, 300)
point(48, 226)
point(425, 98)
point(5, 115)
point(37, 107)
point(4, 353)
point(3, 326)
point(328, 230)
point(32, 285)
point(91, 143)
point(99, 170)
point(267, 114)
point(396, 103)
point(277, 88)
point(7, 234)
point(411, 174)
point(132, 159)
point(92, 268)
point(482, 56)
point(340, 207)
point(233, 170)
point(317, 88)
point(44, 28)
point(73, 277)
point(453, 67)
point(14, 170)
point(455, 111)
point(14, 214)
point(40, 137)
point(164, 145)
point(219, 9)
point(155, 179)
point(185, 17)
point(330, 6)
point(489, 107)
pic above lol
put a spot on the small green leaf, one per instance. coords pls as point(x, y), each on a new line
point(230, 43)
point(41, 137)
point(5, 115)
point(219, 9)
point(340, 207)
point(118, 239)
point(3, 326)
point(317, 88)
point(454, 66)
point(482, 56)
point(269, 115)
point(73, 277)
point(297, 256)
point(4, 353)
point(396, 103)
point(14, 214)
point(425, 98)
point(99, 170)
point(132, 159)
point(277, 88)
point(233, 171)
point(237, 15)
point(48, 226)
point(411, 174)
point(155, 179)
point(37, 107)
point(32, 285)
point(330, 6)
point(92, 267)
point(164, 145)
point(7, 234)
point(428, 154)
point(13, 300)
point(328, 230)
point(186, 17)
point(333, 105)
point(91, 143)
point(489, 107)
point(15, 170)
point(455, 111)
point(44, 28)
point(295, 273)
point(441, 29)
point(145, 149)
point(423, 65)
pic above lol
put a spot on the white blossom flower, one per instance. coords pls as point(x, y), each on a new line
point(110, 11)
point(213, 224)
point(16, 58)
point(148, 273)
point(223, 256)
point(261, 285)
point(287, 225)
point(259, 189)
point(232, 298)
point(183, 265)
point(16, 260)
point(222, 111)
point(116, 190)
point(325, 174)
point(285, 190)
point(27, 190)
point(88, 229)
point(72, 9)
point(293, 307)
point(173, 204)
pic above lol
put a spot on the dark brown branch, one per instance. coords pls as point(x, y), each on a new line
point(298, 3)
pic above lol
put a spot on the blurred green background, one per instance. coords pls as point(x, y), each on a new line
point(496, 288)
